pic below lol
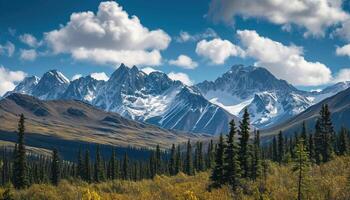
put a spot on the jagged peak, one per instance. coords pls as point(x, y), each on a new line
point(56, 74)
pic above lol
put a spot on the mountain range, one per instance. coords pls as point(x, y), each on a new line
point(206, 107)
point(152, 98)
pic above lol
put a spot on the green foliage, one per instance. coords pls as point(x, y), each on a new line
point(55, 168)
point(244, 154)
point(217, 177)
point(301, 167)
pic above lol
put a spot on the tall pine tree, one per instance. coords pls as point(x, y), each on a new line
point(20, 179)
point(280, 147)
point(55, 168)
point(217, 177)
point(231, 162)
point(244, 154)
point(189, 162)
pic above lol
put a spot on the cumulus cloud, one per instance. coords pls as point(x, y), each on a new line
point(110, 36)
point(29, 40)
point(343, 51)
point(186, 36)
point(184, 62)
point(285, 62)
point(9, 79)
point(313, 15)
point(28, 54)
point(343, 75)
point(7, 49)
point(76, 76)
point(100, 76)
point(218, 50)
point(184, 78)
point(149, 70)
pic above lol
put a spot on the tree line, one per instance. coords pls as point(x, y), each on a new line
point(234, 158)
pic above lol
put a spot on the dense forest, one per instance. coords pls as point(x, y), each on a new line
point(235, 165)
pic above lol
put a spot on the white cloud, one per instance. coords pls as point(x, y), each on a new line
point(184, 62)
point(285, 62)
point(314, 15)
point(218, 50)
point(76, 76)
point(185, 36)
point(8, 79)
point(28, 54)
point(343, 51)
point(110, 36)
point(30, 40)
point(343, 75)
point(184, 78)
point(149, 70)
point(100, 76)
point(7, 49)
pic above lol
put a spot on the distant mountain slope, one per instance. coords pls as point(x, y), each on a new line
point(153, 98)
point(72, 120)
point(339, 106)
point(269, 100)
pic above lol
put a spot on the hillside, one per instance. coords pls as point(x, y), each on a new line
point(69, 122)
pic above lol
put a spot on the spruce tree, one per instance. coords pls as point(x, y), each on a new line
point(178, 160)
point(87, 167)
point(201, 165)
point(274, 149)
point(326, 133)
point(217, 177)
point(311, 149)
point(20, 163)
point(318, 142)
point(98, 169)
point(189, 162)
point(301, 167)
point(280, 147)
point(158, 167)
point(113, 165)
point(80, 165)
point(257, 165)
point(172, 167)
point(343, 142)
point(231, 162)
point(125, 169)
point(304, 134)
point(55, 168)
point(210, 161)
point(244, 154)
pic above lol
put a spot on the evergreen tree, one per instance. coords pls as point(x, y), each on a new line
point(98, 172)
point(201, 165)
point(257, 165)
point(326, 128)
point(80, 165)
point(189, 163)
point(87, 167)
point(304, 134)
point(210, 161)
point(172, 167)
point(244, 154)
point(113, 166)
point(311, 148)
point(301, 166)
point(280, 147)
point(55, 168)
point(231, 163)
point(158, 160)
point(20, 163)
point(318, 142)
point(217, 177)
point(178, 164)
point(274, 150)
point(343, 142)
point(125, 171)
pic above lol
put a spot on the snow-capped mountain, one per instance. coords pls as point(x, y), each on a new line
point(268, 99)
point(153, 98)
point(51, 86)
point(26, 86)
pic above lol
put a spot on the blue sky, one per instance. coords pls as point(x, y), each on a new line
point(307, 47)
